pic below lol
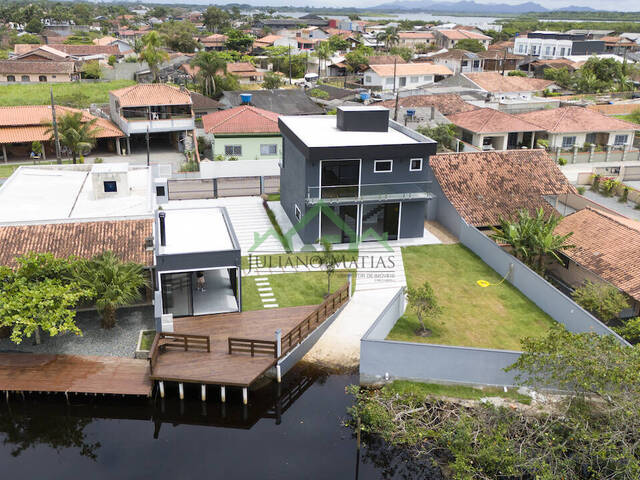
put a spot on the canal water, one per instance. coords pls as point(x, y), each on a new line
point(294, 430)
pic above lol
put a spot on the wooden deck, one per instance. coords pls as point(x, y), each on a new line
point(27, 372)
point(217, 367)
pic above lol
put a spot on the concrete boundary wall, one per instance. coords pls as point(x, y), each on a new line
point(382, 360)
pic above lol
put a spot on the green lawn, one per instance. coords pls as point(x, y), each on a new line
point(423, 390)
point(497, 316)
point(6, 169)
point(74, 94)
point(299, 258)
point(292, 289)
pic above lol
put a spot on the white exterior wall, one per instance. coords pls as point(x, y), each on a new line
point(455, 65)
point(544, 48)
point(372, 79)
point(555, 139)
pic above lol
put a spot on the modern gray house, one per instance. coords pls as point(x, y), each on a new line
point(197, 263)
point(356, 176)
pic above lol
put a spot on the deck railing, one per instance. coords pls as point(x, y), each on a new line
point(297, 334)
point(252, 346)
point(182, 341)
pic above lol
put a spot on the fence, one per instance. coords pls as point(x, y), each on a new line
point(207, 188)
point(382, 359)
point(186, 342)
point(592, 156)
point(252, 346)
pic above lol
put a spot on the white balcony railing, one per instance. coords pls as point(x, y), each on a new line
point(132, 126)
point(346, 194)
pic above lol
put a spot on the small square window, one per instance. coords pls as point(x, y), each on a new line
point(160, 191)
point(383, 166)
point(298, 213)
point(415, 165)
point(621, 139)
point(568, 141)
point(268, 149)
point(110, 186)
point(233, 150)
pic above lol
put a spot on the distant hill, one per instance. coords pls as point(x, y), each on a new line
point(472, 7)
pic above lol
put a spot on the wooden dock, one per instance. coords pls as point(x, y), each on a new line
point(28, 372)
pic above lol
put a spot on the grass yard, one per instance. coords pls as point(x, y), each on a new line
point(423, 390)
point(73, 94)
point(299, 258)
point(492, 317)
point(293, 289)
point(6, 169)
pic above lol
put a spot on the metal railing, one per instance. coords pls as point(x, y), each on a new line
point(343, 194)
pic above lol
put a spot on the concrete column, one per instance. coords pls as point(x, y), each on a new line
point(608, 149)
point(575, 154)
point(118, 148)
point(4, 153)
point(161, 385)
point(624, 152)
point(128, 146)
point(278, 343)
point(278, 373)
point(223, 394)
point(592, 149)
point(533, 139)
point(44, 152)
point(350, 282)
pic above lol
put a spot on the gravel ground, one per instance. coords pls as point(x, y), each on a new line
point(119, 341)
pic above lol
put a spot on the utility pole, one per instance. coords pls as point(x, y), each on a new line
point(55, 129)
point(395, 61)
point(147, 138)
point(290, 79)
point(504, 60)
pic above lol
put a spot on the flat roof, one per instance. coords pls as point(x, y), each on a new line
point(190, 230)
point(322, 131)
point(63, 192)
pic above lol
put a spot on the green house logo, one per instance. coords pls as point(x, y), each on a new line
point(321, 208)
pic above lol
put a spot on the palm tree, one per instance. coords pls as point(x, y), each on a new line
point(389, 37)
point(210, 65)
point(75, 133)
point(323, 52)
point(152, 53)
point(532, 238)
point(114, 283)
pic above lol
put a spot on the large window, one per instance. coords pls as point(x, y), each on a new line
point(590, 138)
point(11, 78)
point(389, 81)
point(621, 139)
point(383, 166)
point(268, 149)
point(568, 142)
point(233, 150)
point(340, 178)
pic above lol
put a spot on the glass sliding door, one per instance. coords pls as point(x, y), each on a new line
point(177, 293)
point(339, 224)
point(380, 220)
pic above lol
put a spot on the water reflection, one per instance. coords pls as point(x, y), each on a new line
point(285, 429)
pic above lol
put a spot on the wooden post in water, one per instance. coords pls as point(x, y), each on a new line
point(181, 390)
point(203, 392)
point(161, 385)
point(244, 396)
point(223, 394)
point(278, 373)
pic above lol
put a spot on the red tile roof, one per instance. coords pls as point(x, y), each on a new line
point(446, 103)
point(243, 119)
point(150, 94)
point(125, 238)
point(490, 120)
point(416, 35)
point(576, 119)
point(463, 34)
point(607, 245)
point(18, 67)
point(484, 186)
point(494, 82)
point(410, 69)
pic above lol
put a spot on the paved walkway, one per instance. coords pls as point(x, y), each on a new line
point(572, 170)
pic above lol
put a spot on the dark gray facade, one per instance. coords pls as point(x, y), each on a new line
point(405, 189)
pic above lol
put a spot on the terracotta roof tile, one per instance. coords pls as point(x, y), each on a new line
point(29, 123)
point(575, 119)
point(416, 35)
point(385, 59)
point(490, 120)
point(486, 185)
point(411, 69)
point(607, 245)
point(85, 50)
point(18, 67)
point(446, 104)
point(243, 119)
point(463, 34)
point(82, 239)
point(150, 94)
point(494, 82)
point(616, 108)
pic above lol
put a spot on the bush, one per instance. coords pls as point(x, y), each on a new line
point(625, 195)
point(272, 81)
point(595, 183)
point(517, 73)
point(562, 161)
point(608, 185)
point(630, 330)
point(112, 60)
point(318, 93)
point(603, 300)
point(190, 166)
point(581, 189)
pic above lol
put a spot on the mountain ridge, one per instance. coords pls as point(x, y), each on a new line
point(470, 6)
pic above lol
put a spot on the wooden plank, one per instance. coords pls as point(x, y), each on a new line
point(74, 374)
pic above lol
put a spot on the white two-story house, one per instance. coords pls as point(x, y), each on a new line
point(162, 110)
point(404, 75)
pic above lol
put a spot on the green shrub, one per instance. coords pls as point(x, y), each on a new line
point(318, 93)
point(630, 330)
point(517, 73)
point(581, 189)
point(190, 166)
point(625, 195)
point(595, 183)
point(562, 161)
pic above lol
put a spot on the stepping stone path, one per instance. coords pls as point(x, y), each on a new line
point(264, 287)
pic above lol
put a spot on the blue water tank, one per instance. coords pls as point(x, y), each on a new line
point(411, 112)
point(245, 98)
point(364, 96)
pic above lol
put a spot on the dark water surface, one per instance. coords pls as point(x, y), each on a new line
point(291, 431)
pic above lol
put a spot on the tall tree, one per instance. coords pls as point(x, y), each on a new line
point(77, 135)
point(470, 44)
point(114, 283)
point(215, 19)
point(152, 53)
point(389, 37)
point(323, 52)
point(179, 36)
point(210, 66)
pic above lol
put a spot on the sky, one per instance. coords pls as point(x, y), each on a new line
point(624, 5)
